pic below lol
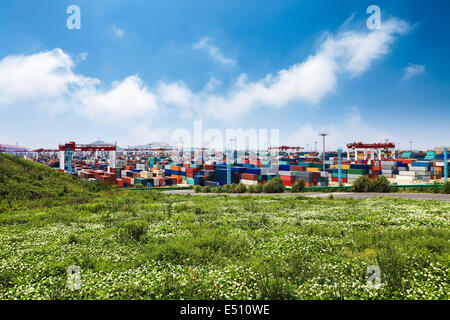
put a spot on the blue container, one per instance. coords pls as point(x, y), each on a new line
point(420, 164)
point(253, 171)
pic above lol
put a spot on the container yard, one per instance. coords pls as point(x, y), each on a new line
point(153, 168)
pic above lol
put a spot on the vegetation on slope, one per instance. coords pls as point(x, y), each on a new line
point(25, 182)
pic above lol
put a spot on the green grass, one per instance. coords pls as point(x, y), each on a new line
point(24, 183)
point(148, 245)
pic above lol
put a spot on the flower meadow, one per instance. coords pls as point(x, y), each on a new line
point(150, 245)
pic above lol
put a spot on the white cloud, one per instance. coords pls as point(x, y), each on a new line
point(118, 32)
point(48, 80)
point(215, 53)
point(212, 84)
point(413, 70)
point(127, 100)
point(347, 53)
point(44, 79)
point(176, 93)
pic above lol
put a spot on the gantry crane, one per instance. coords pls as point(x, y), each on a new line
point(386, 147)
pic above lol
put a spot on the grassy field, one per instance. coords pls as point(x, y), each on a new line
point(147, 245)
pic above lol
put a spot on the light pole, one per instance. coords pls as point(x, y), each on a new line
point(316, 145)
point(323, 135)
point(307, 147)
point(410, 145)
point(182, 148)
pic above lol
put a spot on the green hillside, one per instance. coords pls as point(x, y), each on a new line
point(22, 180)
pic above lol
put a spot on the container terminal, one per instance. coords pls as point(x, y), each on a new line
point(162, 167)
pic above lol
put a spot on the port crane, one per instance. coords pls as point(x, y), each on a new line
point(386, 147)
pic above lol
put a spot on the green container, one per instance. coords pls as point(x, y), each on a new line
point(305, 164)
point(141, 181)
point(356, 171)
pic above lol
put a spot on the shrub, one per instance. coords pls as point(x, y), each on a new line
point(139, 185)
point(251, 189)
point(298, 186)
point(259, 188)
point(380, 184)
point(233, 188)
point(361, 184)
point(275, 185)
point(197, 189)
point(364, 184)
point(240, 188)
point(134, 229)
point(217, 189)
point(228, 188)
point(446, 187)
point(207, 189)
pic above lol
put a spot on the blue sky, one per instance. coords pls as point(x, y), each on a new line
point(138, 70)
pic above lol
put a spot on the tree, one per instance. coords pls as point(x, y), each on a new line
point(275, 185)
point(298, 186)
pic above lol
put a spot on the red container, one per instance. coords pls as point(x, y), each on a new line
point(249, 176)
point(287, 178)
point(297, 168)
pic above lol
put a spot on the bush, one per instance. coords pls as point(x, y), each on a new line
point(197, 189)
point(217, 189)
point(298, 186)
point(134, 229)
point(233, 188)
point(362, 184)
point(207, 189)
point(380, 184)
point(275, 185)
point(240, 188)
point(446, 187)
point(259, 188)
point(251, 189)
point(228, 188)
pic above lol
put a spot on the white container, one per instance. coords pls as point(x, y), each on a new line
point(286, 173)
point(249, 182)
point(407, 173)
